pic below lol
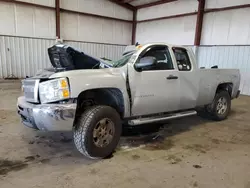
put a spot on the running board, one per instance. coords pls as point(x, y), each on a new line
point(161, 118)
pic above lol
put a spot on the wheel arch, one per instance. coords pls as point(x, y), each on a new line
point(228, 86)
point(112, 97)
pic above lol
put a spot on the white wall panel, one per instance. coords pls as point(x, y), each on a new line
point(226, 28)
point(168, 9)
point(86, 28)
point(21, 57)
point(100, 7)
point(50, 3)
point(176, 31)
point(225, 3)
point(228, 57)
point(21, 20)
point(7, 21)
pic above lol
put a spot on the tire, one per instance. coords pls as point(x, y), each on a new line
point(221, 106)
point(89, 124)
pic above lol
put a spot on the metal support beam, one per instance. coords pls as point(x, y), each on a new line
point(199, 22)
point(125, 5)
point(227, 8)
point(94, 15)
point(134, 26)
point(28, 4)
point(168, 17)
point(154, 3)
point(57, 5)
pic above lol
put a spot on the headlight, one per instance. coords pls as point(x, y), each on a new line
point(54, 90)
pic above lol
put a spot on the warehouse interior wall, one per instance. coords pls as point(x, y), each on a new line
point(79, 27)
point(219, 28)
point(228, 27)
point(21, 20)
point(27, 31)
point(178, 30)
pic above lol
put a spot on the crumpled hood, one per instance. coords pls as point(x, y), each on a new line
point(87, 73)
point(44, 74)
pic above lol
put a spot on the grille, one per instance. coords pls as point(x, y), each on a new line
point(30, 89)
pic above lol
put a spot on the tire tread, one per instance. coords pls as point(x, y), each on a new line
point(81, 129)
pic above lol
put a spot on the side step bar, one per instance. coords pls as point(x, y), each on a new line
point(161, 118)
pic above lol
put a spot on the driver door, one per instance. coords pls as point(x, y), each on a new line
point(155, 89)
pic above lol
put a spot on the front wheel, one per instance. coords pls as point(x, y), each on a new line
point(221, 105)
point(97, 132)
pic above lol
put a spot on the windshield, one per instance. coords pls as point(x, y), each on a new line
point(123, 61)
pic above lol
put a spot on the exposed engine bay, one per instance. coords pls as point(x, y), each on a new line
point(64, 57)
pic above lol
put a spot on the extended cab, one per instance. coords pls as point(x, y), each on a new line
point(155, 82)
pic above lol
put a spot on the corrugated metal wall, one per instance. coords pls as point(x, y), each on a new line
point(100, 7)
point(86, 28)
point(21, 20)
point(175, 30)
point(80, 27)
point(227, 57)
point(226, 28)
point(22, 57)
point(168, 9)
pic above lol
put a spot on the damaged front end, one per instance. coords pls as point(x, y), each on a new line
point(47, 117)
point(47, 104)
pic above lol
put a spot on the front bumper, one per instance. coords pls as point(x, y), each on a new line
point(46, 117)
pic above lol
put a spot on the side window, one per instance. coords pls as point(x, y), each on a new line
point(162, 56)
point(182, 59)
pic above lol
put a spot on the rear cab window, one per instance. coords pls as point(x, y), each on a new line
point(182, 59)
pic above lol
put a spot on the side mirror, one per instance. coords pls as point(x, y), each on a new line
point(145, 62)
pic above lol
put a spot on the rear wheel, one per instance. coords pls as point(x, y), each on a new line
point(97, 132)
point(221, 105)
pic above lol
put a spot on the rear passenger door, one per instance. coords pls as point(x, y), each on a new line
point(189, 80)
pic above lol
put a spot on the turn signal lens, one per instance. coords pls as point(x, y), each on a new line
point(64, 84)
point(65, 93)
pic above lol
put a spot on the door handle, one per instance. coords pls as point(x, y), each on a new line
point(172, 77)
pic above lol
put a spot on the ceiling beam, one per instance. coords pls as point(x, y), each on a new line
point(127, 1)
point(154, 3)
point(125, 5)
point(28, 4)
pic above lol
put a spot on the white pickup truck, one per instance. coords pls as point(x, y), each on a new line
point(155, 82)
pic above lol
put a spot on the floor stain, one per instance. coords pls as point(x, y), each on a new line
point(135, 157)
point(93, 171)
point(215, 141)
point(173, 159)
point(7, 166)
point(197, 147)
point(44, 161)
point(195, 184)
point(165, 144)
point(30, 158)
point(197, 166)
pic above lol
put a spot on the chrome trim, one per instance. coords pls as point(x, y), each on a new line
point(32, 84)
point(36, 91)
point(161, 118)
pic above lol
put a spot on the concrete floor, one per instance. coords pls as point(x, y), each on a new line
point(191, 152)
